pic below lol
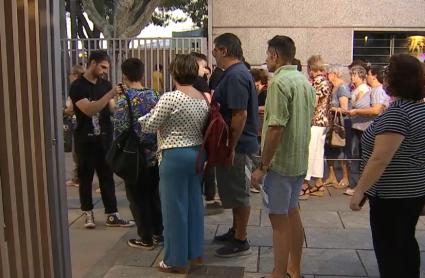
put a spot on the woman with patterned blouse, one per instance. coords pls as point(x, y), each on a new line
point(180, 117)
point(320, 123)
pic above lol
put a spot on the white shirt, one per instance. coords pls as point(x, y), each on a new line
point(179, 120)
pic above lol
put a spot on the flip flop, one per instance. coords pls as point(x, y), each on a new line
point(330, 183)
point(341, 185)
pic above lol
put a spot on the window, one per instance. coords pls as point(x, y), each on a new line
point(377, 47)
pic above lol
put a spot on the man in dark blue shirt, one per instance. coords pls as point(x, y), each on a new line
point(237, 97)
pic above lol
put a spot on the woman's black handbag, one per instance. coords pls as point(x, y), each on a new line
point(125, 157)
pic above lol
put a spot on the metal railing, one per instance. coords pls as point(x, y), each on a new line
point(152, 51)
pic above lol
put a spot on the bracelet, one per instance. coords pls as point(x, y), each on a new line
point(263, 167)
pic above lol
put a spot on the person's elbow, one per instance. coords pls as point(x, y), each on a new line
point(377, 110)
point(87, 111)
point(380, 161)
point(275, 131)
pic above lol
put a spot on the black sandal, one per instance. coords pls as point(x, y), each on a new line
point(318, 191)
point(304, 193)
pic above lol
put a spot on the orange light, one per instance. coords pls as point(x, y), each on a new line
point(416, 44)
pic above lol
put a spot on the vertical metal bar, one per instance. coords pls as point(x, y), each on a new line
point(163, 64)
point(65, 59)
point(157, 62)
point(170, 50)
point(151, 53)
point(210, 32)
point(148, 82)
point(88, 48)
point(114, 59)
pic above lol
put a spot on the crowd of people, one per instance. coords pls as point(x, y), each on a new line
point(302, 123)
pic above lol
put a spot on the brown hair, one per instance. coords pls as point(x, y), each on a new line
point(405, 77)
point(260, 75)
point(77, 70)
point(184, 69)
point(315, 63)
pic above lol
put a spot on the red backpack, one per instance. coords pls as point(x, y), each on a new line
point(216, 140)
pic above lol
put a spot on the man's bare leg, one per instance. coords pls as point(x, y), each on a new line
point(281, 244)
point(240, 222)
point(296, 243)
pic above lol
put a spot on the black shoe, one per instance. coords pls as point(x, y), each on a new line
point(139, 243)
point(114, 220)
point(225, 237)
point(158, 240)
point(234, 248)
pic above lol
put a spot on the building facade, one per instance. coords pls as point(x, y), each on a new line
point(340, 30)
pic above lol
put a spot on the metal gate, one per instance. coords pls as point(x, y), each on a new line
point(152, 51)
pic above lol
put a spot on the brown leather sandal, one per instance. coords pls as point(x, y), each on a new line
point(197, 261)
point(317, 191)
point(172, 269)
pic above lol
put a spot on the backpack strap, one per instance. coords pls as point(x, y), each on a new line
point(130, 110)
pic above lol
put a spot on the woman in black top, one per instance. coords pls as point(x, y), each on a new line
point(393, 178)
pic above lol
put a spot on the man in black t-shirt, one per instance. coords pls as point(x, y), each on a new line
point(92, 99)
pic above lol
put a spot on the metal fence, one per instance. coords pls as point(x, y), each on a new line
point(152, 51)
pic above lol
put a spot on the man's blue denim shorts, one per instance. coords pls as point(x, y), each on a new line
point(281, 193)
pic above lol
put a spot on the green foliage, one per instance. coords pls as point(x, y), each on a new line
point(127, 17)
point(197, 10)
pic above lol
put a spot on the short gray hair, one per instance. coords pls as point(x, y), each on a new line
point(337, 69)
point(359, 70)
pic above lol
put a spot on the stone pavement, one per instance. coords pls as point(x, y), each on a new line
point(337, 243)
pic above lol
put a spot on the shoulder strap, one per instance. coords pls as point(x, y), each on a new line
point(130, 110)
point(208, 103)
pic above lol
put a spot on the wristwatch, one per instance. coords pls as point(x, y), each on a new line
point(263, 167)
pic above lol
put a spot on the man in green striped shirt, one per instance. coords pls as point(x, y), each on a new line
point(286, 134)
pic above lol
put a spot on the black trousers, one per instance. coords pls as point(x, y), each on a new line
point(91, 157)
point(209, 184)
point(393, 223)
point(145, 204)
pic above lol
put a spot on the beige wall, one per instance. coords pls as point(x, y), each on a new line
point(317, 26)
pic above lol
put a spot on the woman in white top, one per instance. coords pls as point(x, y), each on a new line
point(179, 117)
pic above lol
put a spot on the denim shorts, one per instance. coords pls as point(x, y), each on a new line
point(281, 193)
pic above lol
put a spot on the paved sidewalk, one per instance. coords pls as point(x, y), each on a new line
point(337, 243)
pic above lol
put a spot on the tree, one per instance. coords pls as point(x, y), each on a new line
point(126, 18)
point(197, 10)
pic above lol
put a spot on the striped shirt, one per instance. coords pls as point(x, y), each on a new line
point(404, 176)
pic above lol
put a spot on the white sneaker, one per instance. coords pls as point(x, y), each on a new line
point(349, 192)
point(254, 190)
point(89, 221)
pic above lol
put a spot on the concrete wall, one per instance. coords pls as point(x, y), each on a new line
point(317, 26)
